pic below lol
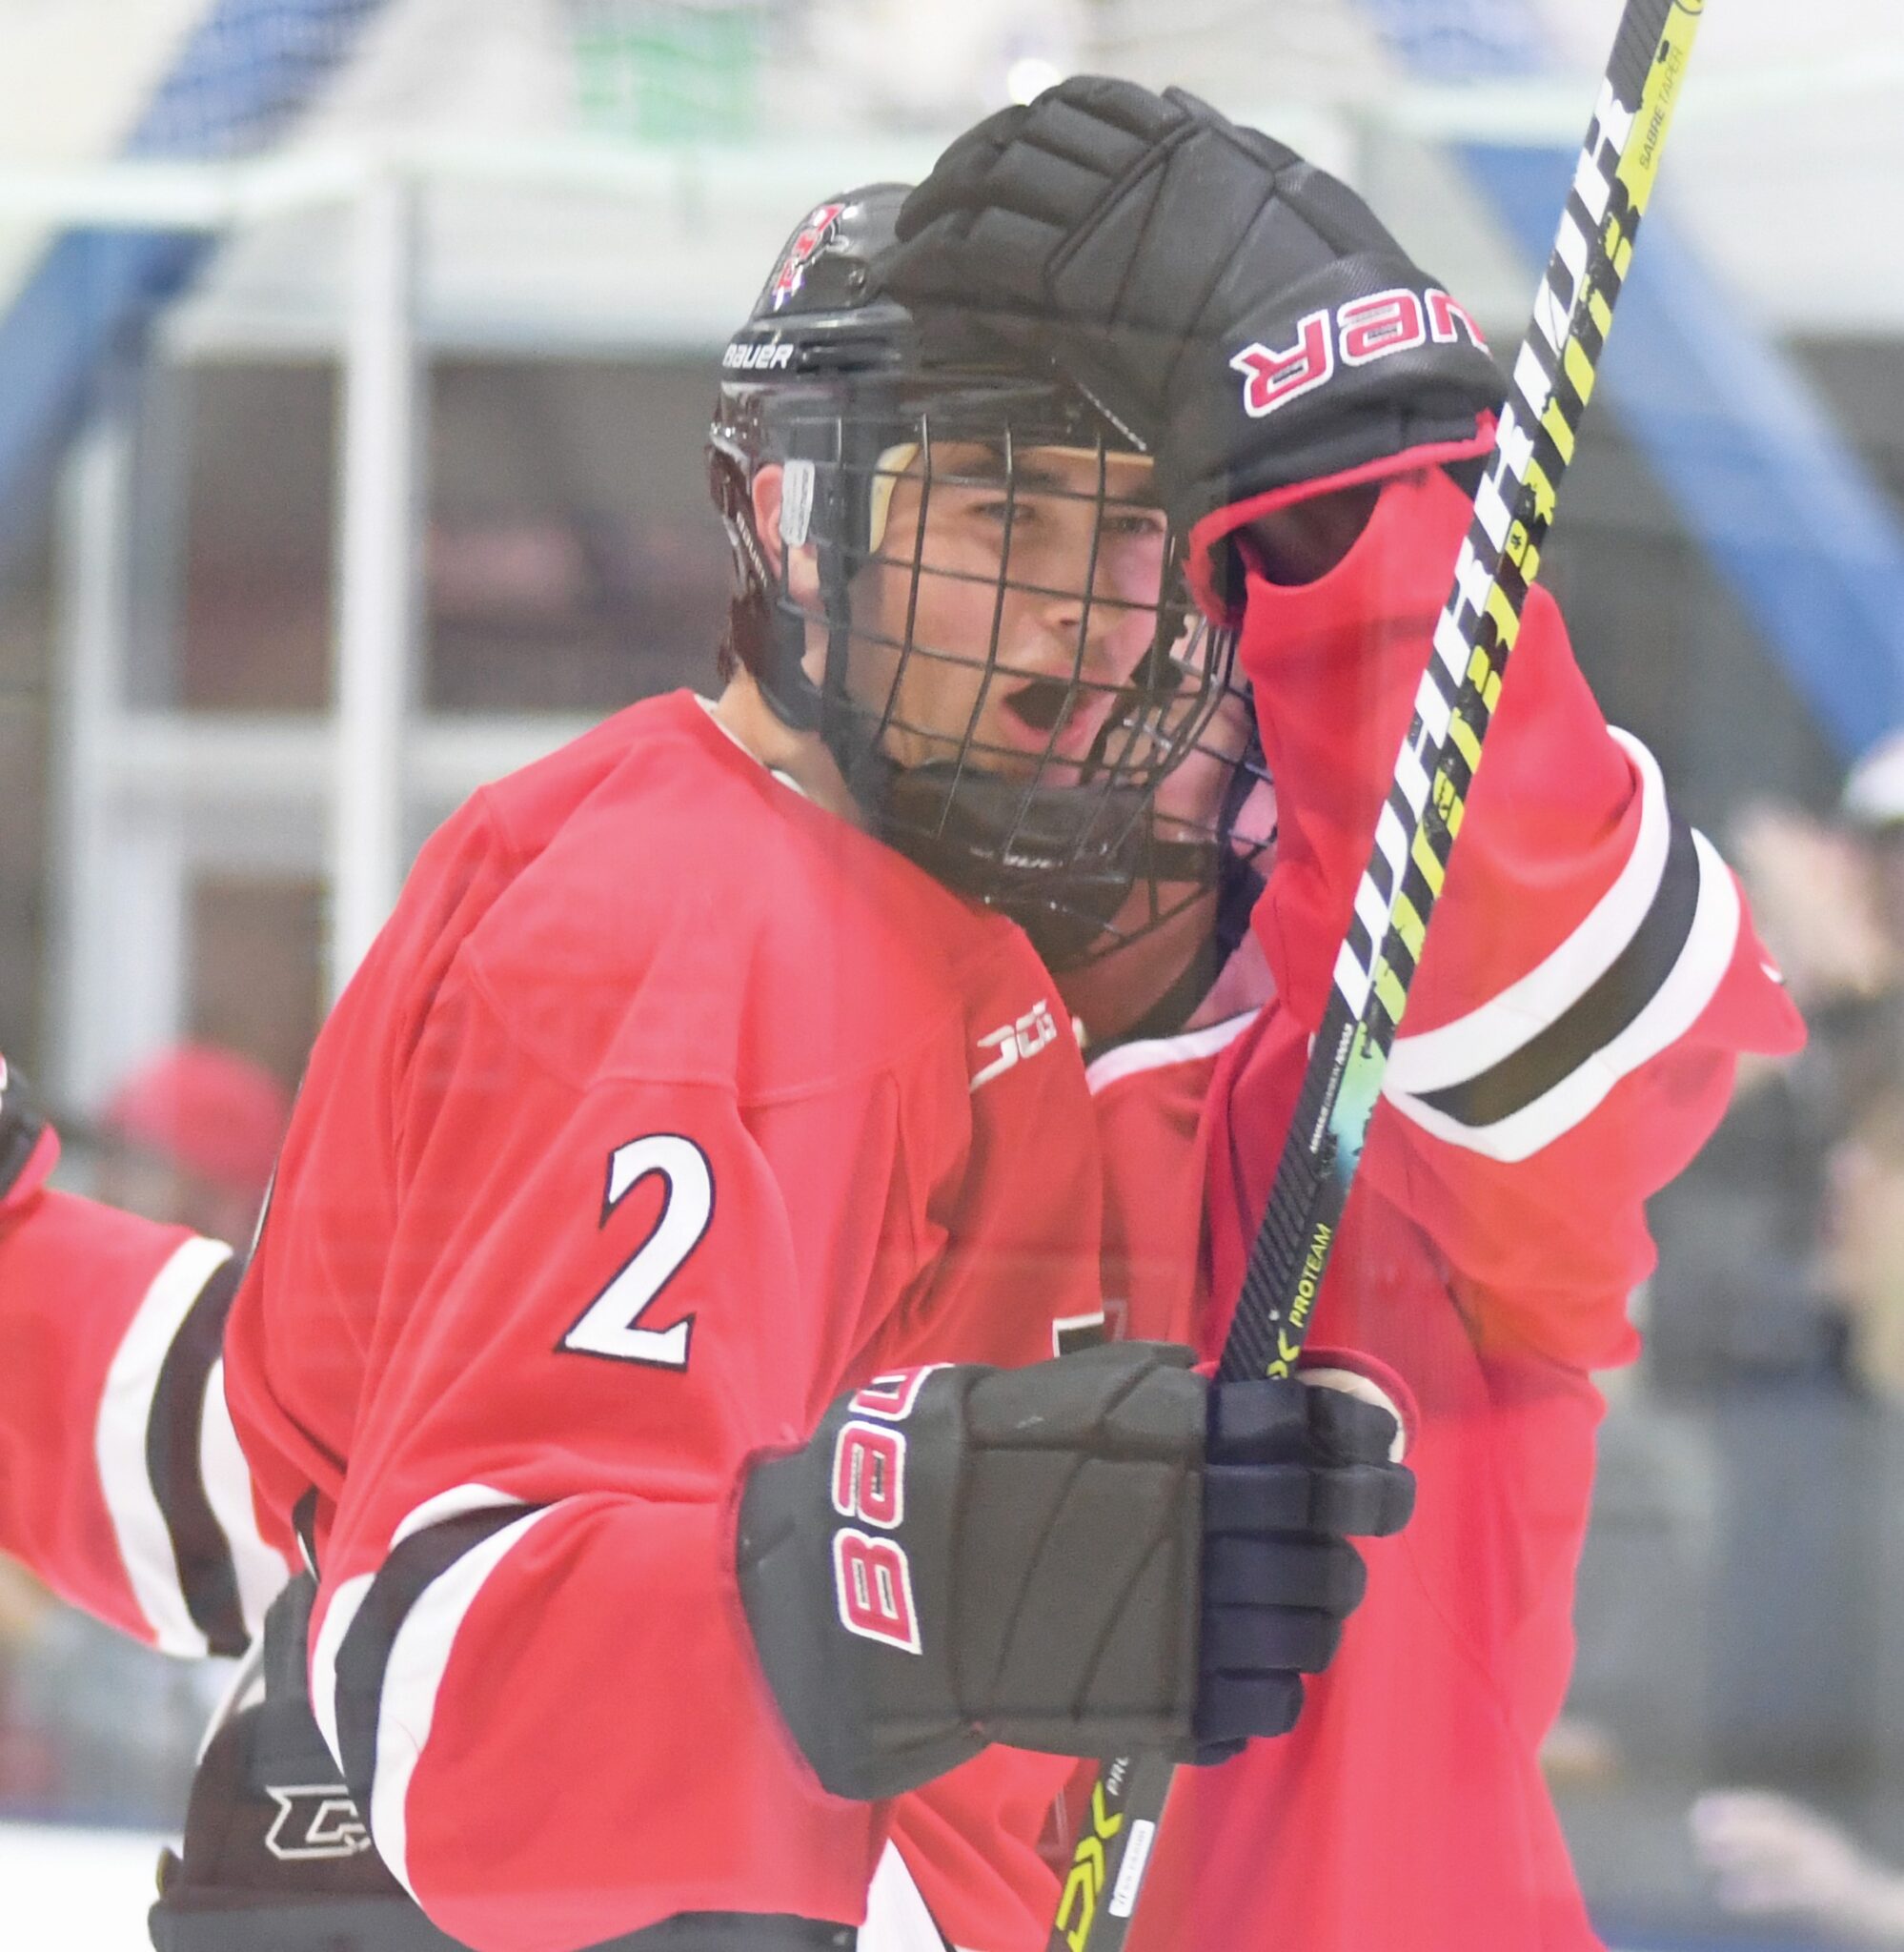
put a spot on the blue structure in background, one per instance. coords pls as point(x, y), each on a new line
point(241, 75)
point(1790, 515)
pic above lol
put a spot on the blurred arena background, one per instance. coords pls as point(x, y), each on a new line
point(355, 362)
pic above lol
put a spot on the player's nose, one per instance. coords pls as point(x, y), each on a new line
point(1089, 631)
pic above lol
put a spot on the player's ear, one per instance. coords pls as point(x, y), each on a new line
point(801, 566)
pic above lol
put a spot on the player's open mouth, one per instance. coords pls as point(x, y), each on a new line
point(1041, 703)
point(1054, 719)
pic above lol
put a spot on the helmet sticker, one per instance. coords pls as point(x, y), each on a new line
point(796, 503)
point(892, 464)
point(807, 240)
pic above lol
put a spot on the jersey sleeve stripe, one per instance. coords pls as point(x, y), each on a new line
point(1151, 1053)
point(390, 1661)
point(333, 1628)
point(1490, 1035)
point(173, 1578)
point(259, 1568)
point(339, 1611)
point(174, 1427)
point(897, 1916)
point(1629, 984)
point(1671, 1009)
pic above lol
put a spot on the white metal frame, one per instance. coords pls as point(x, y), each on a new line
point(380, 499)
point(146, 795)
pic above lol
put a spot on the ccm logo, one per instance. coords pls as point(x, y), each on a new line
point(1355, 334)
point(872, 1577)
point(1018, 1042)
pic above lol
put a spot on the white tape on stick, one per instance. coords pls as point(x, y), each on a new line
point(1365, 1389)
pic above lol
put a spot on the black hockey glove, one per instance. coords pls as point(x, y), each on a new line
point(1239, 311)
point(20, 1127)
point(1087, 1557)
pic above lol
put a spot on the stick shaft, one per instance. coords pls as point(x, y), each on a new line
point(1553, 380)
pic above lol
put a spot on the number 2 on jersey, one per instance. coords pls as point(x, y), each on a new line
point(610, 1326)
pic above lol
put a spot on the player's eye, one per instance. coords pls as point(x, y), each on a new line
point(1138, 524)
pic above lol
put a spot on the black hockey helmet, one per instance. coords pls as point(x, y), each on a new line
point(850, 393)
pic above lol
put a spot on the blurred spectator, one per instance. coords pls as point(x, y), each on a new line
point(1873, 808)
point(1817, 884)
point(1777, 1311)
point(1769, 1854)
point(1739, 1596)
point(1862, 1236)
point(1738, 1294)
point(192, 1136)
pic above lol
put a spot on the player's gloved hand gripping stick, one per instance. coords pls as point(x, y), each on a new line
point(1553, 380)
point(1093, 216)
point(1089, 1555)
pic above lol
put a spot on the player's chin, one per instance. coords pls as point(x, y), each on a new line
point(1005, 745)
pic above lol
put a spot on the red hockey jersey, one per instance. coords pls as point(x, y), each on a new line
point(1570, 1042)
point(1407, 1809)
point(667, 1107)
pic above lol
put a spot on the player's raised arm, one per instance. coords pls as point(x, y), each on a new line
point(1314, 399)
point(1592, 973)
point(121, 1482)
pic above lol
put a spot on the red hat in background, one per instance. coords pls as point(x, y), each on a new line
point(209, 1111)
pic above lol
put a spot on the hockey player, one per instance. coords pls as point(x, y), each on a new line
point(1571, 1033)
point(674, 1104)
point(1420, 1756)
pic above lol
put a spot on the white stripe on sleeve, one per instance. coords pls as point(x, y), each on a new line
point(339, 1615)
point(119, 1444)
point(1673, 1009)
point(1486, 1035)
point(418, 1657)
point(261, 1573)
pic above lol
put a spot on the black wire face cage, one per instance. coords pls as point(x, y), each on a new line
point(995, 638)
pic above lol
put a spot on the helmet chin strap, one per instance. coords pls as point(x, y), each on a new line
point(1059, 861)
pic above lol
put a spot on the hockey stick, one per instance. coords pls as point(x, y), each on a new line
point(1434, 771)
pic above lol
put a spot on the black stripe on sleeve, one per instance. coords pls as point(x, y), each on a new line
point(200, 1551)
point(304, 1524)
point(364, 1657)
point(1629, 983)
